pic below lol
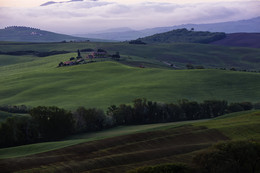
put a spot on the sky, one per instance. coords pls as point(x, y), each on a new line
point(86, 16)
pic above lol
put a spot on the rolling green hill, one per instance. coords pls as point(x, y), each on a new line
point(27, 34)
point(184, 36)
point(124, 148)
point(38, 81)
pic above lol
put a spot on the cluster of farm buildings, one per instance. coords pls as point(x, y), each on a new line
point(90, 57)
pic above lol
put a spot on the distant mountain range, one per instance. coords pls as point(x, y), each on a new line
point(248, 26)
point(27, 34)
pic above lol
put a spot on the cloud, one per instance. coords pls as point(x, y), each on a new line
point(88, 15)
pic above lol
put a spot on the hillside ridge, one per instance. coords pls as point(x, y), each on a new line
point(184, 36)
point(240, 40)
point(29, 34)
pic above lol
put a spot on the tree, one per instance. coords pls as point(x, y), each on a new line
point(234, 107)
point(139, 111)
point(53, 122)
point(101, 50)
point(246, 105)
point(94, 119)
point(116, 56)
point(60, 64)
point(137, 42)
point(191, 110)
point(18, 130)
point(175, 112)
point(213, 108)
point(190, 66)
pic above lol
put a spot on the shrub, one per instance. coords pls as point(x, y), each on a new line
point(230, 157)
point(257, 105)
point(236, 107)
point(246, 105)
point(136, 42)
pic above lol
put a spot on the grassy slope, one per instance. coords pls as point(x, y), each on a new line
point(10, 60)
point(240, 125)
point(101, 84)
point(160, 143)
point(176, 53)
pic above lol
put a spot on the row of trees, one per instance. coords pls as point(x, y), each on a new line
point(35, 53)
point(15, 109)
point(43, 124)
point(143, 111)
point(53, 123)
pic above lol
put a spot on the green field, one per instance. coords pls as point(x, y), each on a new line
point(101, 84)
point(37, 81)
point(237, 126)
point(34, 81)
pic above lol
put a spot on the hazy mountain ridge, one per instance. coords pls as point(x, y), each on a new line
point(240, 40)
point(184, 36)
point(28, 34)
point(248, 26)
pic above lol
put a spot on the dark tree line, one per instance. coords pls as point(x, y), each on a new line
point(52, 123)
point(21, 28)
point(15, 109)
point(43, 124)
point(35, 53)
point(145, 112)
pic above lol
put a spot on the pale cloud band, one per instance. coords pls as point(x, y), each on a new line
point(88, 15)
